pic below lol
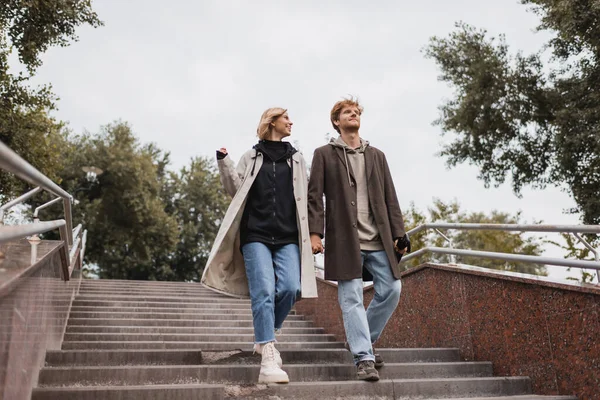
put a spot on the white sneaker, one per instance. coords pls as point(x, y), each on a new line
point(258, 348)
point(270, 371)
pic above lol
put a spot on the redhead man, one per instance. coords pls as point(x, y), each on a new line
point(363, 229)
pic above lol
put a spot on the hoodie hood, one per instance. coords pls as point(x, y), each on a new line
point(339, 142)
point(275, 150)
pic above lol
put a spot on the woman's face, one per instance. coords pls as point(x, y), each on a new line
point(282, 126)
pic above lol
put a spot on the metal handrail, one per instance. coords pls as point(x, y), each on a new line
point(508, 227)
point(562, 262)
point(8, 233)
point(45, 205)
point(12, 162)
point(17, 201)
point(576, 230)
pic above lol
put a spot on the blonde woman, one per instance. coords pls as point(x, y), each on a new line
point(263, 247)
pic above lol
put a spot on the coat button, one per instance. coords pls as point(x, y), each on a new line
point(298, 199)
point(354, 225)
point(353, 203)
point(303, 218)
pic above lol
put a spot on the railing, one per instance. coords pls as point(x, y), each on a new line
point(575, 230)
point(73, 239)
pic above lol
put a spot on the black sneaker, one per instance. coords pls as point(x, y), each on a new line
point(378, 360)
point(365, 370)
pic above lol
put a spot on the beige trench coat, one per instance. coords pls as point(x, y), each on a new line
point(225, 271)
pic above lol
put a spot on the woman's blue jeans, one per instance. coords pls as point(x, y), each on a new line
point(274, 282)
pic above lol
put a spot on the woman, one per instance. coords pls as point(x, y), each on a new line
point(263, 246)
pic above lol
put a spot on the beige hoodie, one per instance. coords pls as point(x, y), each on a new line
point(368, 234)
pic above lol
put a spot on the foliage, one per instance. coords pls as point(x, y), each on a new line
point(30, 28)
point(492, 241)
point(197, 200)
point(574, 249)
point(511, 116)
point(131, 234)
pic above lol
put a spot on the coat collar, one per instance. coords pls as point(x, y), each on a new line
point(296, 156)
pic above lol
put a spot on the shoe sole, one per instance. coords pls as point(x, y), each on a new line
point(273, 379)
point(369, 378)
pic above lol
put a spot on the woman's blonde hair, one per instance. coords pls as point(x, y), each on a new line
point(268, 117)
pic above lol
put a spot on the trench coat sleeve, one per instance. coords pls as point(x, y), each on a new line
point(391, 201)
point(231, 177)
point(316, 186)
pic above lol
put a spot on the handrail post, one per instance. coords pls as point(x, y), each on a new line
point(447, 239)
point(68, 219)
point(590, 248)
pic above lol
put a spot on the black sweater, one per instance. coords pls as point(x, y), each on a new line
point(270, 213)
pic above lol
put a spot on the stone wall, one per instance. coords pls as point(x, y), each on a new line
point(34, 307)
point(526, 325)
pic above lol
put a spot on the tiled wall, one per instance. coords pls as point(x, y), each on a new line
point(525, 326)
point(33, 313)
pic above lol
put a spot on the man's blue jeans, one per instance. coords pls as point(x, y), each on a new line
point(274, 283)
point(362, 327)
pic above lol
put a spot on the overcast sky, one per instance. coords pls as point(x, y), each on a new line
point(196, 76)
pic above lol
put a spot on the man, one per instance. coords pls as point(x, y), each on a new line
point(363, 228)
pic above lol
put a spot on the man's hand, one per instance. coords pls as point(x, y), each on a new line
point(403, 242)
point(316, 243)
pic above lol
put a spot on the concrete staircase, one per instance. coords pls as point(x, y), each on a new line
point(161, 340)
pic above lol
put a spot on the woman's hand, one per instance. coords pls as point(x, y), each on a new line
point(221, 153)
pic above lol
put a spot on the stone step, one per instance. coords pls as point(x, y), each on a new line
point(152, 304)
point(172, 315)
point(513, 388)
point(165, 299)
point(168, 310)
point(204, 346)
point(176, 322)
point(248, 374)
point(120, 282)
point(196, 357)
point(157, 292)
point(167, 285)
point(154, 392)
point(123, 357)
point(184, 330)
point(195, 297)
point(522, 397)
point(390, 389)
point(179, 285)
point(185, 337)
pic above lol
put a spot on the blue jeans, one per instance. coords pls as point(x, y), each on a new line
point(362, 327)
point(274, 283)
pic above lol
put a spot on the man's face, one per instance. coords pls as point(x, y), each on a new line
point(349, 119)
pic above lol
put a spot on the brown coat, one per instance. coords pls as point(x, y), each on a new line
point(338, 220)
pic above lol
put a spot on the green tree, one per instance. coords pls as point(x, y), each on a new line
point(131, 236)
point(574, 249)
point(30, 28)
point(492, 241)
point(512, 115)
point(197, 200)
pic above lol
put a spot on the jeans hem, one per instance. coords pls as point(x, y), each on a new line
point(365, 358)
point(266, 341)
